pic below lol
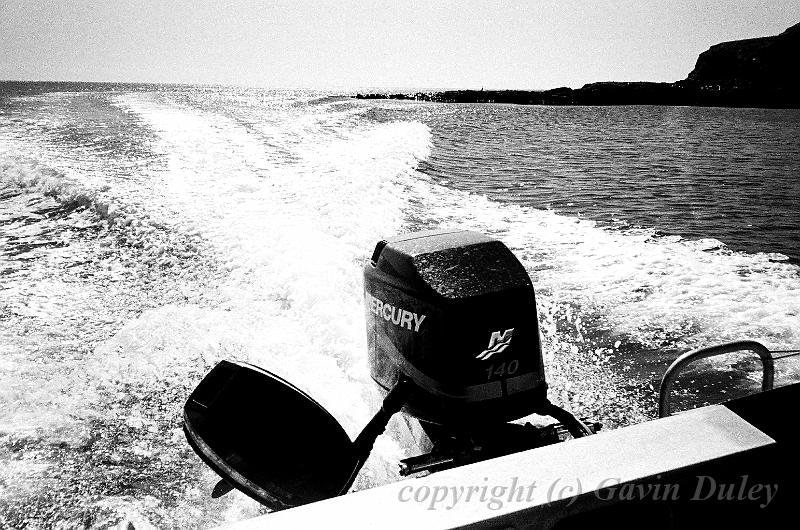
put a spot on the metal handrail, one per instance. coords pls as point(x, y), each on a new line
point(665, 389)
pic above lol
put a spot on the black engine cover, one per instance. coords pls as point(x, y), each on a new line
point(455, 312)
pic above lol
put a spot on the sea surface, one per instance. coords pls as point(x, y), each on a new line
point(149, 231)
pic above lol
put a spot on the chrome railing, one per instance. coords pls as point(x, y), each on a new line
point(665, 388)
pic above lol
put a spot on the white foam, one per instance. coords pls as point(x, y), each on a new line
point(646, 287)
point(293, 237)
point(291, 199)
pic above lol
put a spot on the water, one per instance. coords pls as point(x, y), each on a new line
point(147, 232)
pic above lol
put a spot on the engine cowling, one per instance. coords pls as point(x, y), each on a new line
point(454, 312)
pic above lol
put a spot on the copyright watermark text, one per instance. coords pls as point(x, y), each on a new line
point(495, 496)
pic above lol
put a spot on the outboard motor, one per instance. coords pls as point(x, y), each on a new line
point(453, 341)
point(455, 313)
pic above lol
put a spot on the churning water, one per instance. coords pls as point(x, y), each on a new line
point(147, 232)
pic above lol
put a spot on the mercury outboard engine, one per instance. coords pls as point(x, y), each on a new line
point(454, 313)
point(453, 341)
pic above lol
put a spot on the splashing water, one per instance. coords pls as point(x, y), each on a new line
point(148, 232)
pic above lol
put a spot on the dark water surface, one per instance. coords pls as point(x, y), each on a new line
point(728, 174)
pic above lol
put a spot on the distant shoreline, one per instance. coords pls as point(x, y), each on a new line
point(754, 73)
point(613, 93)
point(746, 73)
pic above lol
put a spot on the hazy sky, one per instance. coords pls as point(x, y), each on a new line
point(344, 43)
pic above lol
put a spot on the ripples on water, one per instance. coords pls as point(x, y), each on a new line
point(148, 232)
point(728, 174)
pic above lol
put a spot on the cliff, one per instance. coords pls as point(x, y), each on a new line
point(753, 63)
point(748, 73)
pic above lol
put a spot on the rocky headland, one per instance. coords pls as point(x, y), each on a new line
point(759, 72)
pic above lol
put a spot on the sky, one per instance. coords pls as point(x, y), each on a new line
point(512, 44)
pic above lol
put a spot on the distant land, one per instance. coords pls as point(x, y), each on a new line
point(761, 72)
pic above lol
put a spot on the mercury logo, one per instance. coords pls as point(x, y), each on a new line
point(395, 315)
point(498, 343)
